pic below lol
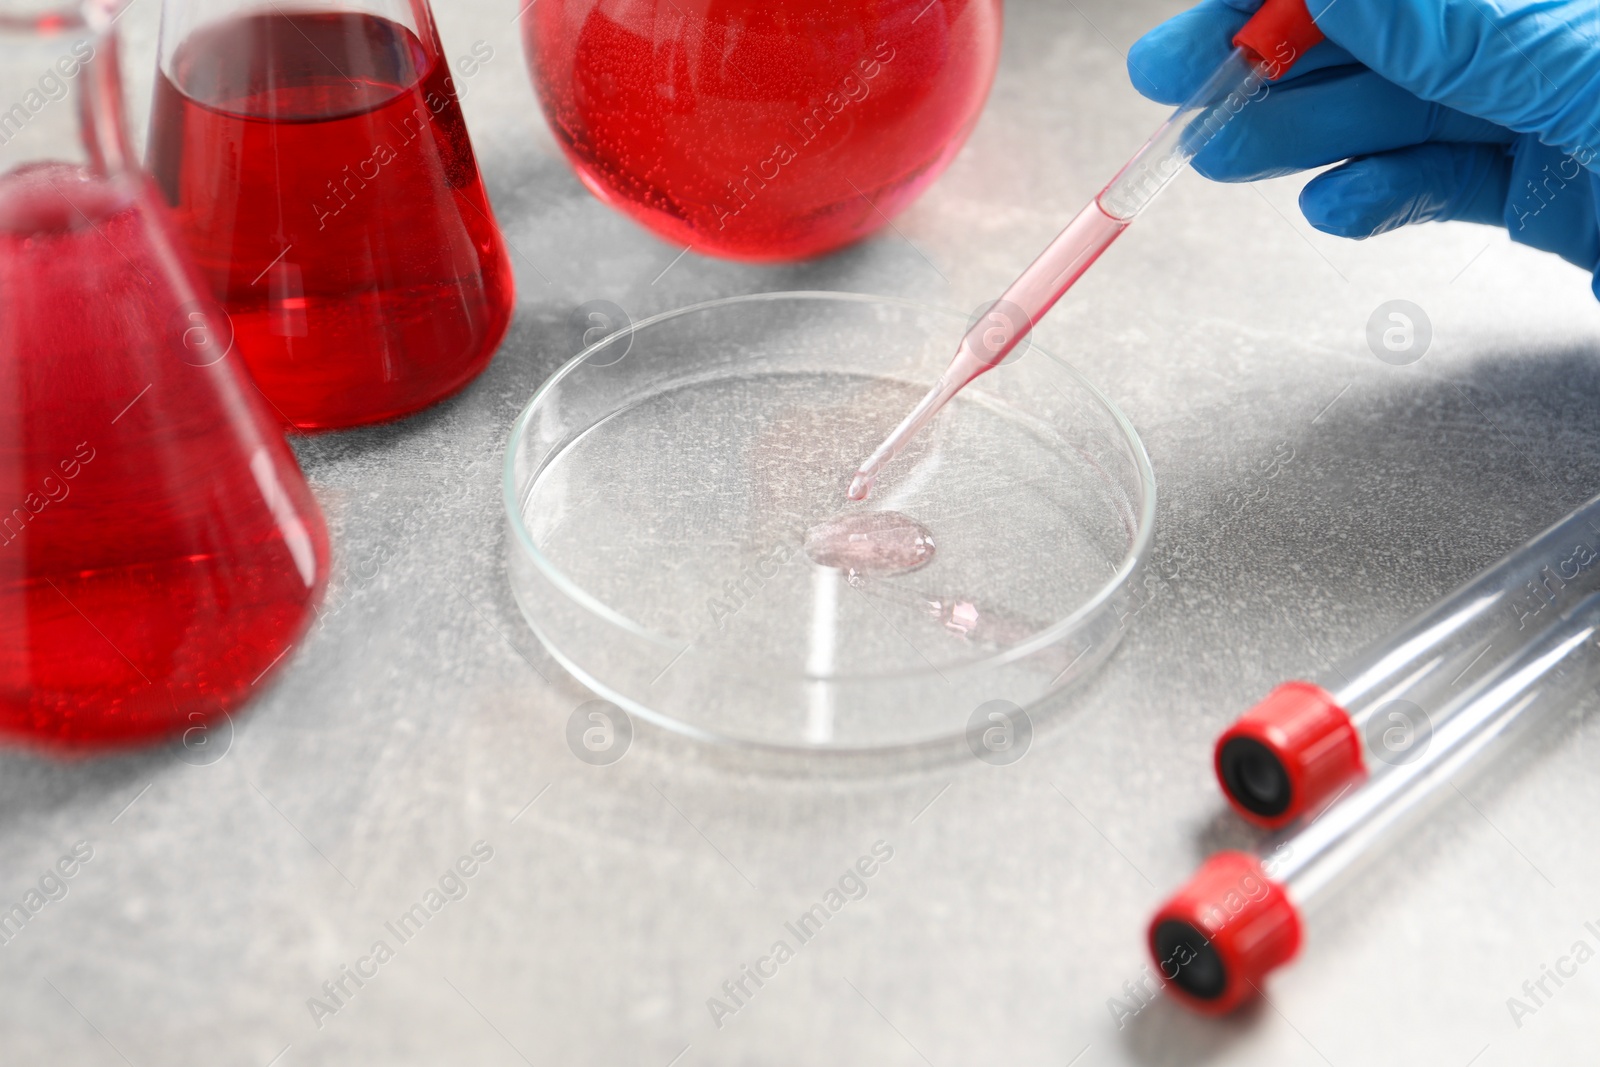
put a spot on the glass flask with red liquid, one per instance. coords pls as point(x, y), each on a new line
point(318, 165)
point(761, 130)
point(160, 552)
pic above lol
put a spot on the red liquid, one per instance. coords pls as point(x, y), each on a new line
point(762, 130)
point(159, 550)
point(320, 170)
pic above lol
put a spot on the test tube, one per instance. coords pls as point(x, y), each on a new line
point(1242, 916)
point(1308, 741)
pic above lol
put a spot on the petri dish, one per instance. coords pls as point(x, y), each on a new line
point(675, 496)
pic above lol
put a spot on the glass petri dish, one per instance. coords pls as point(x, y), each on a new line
point(661, 487)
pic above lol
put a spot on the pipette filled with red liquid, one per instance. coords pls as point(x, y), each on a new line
point(160, 553)
point(319, 167)
point(1268, 45)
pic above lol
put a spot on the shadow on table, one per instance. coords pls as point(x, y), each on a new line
point(34, 783)
point(1167, 1035)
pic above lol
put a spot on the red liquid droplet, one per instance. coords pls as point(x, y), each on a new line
point(159, 550)
point(320, 170)
point(762, 131)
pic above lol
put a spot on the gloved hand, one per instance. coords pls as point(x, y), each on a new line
point(1483, 110)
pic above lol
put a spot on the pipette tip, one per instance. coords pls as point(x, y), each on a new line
point(860, 485)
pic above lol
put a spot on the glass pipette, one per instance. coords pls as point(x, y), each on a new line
point(1268, 45)
point(1306, 742)
point(1242, 916)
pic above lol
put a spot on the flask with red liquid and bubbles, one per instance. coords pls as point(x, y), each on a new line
point(318, 165)
point(159, 550)
point(762, 129)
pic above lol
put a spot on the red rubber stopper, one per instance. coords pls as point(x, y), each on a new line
point(1279, 34)
point(1311, 738)
point(1246, 927)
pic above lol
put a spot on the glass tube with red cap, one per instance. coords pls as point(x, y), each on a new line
point(1243, 916)
point(1308, 741)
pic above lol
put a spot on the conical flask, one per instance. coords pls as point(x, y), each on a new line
point(159, 550)
point(318, 166)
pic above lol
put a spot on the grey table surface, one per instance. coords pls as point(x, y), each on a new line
point(421, 716)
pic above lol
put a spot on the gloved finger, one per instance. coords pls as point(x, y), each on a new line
point(1173, 60)
point(1425, 183)
point(1329, 116)
point(1551, 203)
point(1531, 66)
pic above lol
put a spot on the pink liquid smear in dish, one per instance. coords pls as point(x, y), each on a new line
point(159, 550)
point(870, 544)
point(998, 332)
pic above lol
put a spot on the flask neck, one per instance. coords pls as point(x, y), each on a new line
point(60, 87)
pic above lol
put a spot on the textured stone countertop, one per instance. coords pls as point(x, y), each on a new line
point(422, 716)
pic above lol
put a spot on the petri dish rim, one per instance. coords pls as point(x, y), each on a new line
point(1144, 530)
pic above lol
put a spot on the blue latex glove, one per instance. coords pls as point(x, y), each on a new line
point(1482, 110)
